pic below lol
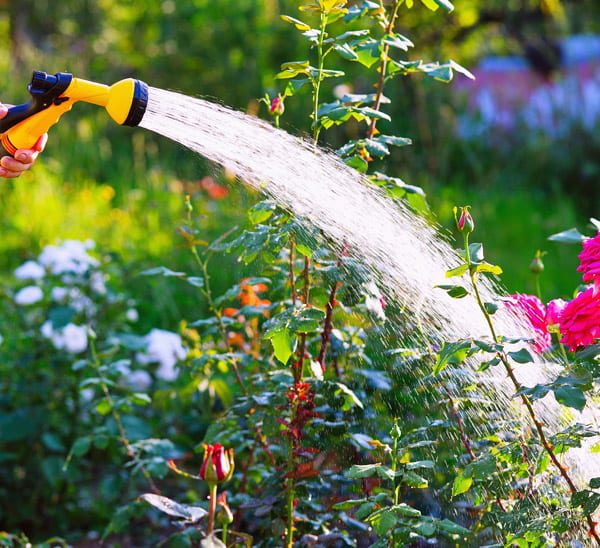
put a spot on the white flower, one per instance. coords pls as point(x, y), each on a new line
point(30, 270)
point(97, 283)
point(164, 348)
point(132, 315)
point(316, 369)
point(47, 329)
point(59, 293)
point(69, 257)
point(374, 301)
point(341, 89)
point(29, 295)
point(139, 380)
point(75, 338)
point(72, 338)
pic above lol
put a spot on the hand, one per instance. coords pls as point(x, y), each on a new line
point(24, 159)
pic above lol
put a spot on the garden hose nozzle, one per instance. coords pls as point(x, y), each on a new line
point(53, 95)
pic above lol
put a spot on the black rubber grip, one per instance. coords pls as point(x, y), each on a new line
point(138, 104)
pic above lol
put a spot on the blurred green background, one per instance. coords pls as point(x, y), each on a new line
point(125, 188)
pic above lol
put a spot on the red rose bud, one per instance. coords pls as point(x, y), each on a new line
point(277, 107)
point(465, 222)
point(217, 465)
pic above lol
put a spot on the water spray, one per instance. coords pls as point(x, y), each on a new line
point(53, 95)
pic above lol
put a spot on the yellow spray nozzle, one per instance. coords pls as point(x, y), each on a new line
point(53, 95)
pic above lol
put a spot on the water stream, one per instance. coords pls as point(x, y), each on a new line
point(408, 256)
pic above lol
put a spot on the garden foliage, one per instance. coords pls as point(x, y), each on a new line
point(287, 414)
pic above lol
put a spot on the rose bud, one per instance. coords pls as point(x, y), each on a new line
point(465, 222)
point(217, 465)
point(537, 265)
point(225, 515)
point(277, 108)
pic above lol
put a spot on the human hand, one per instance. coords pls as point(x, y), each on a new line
point(11, 168)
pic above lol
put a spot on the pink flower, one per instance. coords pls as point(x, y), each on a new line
point(535, 312)
point(590, 260)
point(277, 107)
point(555, 309)
point(580, 320)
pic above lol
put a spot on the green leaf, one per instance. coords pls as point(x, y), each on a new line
point(191, 514)
point(435, 4)
point(476, 252)
point(521, 356)
point(571, 396)
point(461, 485)
point(486, 268)
point(103, 407)
point(571, 236)
point(350, 396)
point(359, 471)
point(139, 398)
point(358, 163)
point(490, 308)
point(395, 141)
point(383, 521)
point(455, 291)
point(163, 271)
point(345, 51)
point(349, 504)
point(300, 25)
point(458, 271)
point(588, 501)
point(61, 316)
point(368, 53)
point(283, 344)
point(261, 211)
point(451, 353)
point(595, 483)
point(376, 148)
point(81, 446)
point(307, 320)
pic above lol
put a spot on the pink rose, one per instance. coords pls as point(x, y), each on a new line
point(535, 311)
point(580, 320)
point(555, 309)
point(590, 261)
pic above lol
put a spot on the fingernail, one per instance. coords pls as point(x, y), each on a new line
point(23, 157)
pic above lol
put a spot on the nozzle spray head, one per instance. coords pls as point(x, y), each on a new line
point(53, 95)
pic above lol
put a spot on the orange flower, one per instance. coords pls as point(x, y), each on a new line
point(230, 312)
point(249, 295)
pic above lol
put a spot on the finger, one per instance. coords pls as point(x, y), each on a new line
point(40, 145)
point(26, 156)
point(6, 174)
point(10, 164)
point(3, 111)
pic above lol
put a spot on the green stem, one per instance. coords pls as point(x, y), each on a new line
point(317, 83)
point(538, 287)
point(291, 493)
point(206, 290)
point(212, 507)
point(383, 65)
point(117, 418)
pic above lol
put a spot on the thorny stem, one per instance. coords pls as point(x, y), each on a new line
point(206, 290)
point(298, 371)
point(117, 418)
point(291, 493)
point(328, 323)
point(383, 66)
point(292, 278)
point(526, 401)
point(212, 507)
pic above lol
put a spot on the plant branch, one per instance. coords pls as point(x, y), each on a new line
point(526, 401)
point(383, 66)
